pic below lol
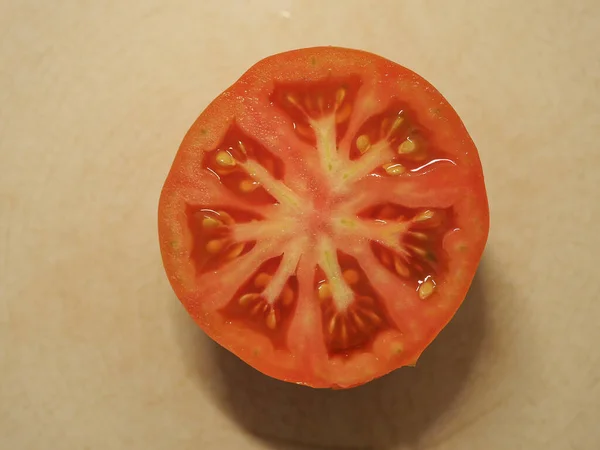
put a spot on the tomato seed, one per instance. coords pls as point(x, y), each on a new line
point(290, 98)
point(339, 96)
point(214, 246)
point(407, 146)
point(235, 251)
point(400, 268)
point(360, 324)
point(372, 316)
point(324, 291)
point(247, 186)
point(226, 218)
point(351, 276)
point(262, 279)
point(246, 299)
point(426, 288)
point(425, 215)
point(384, 127)
point(399, 120)
point(210, 222)
point(363, 143)
point(224, 159)
point(419, 236)
point(394, 169)
point(343, 333)
point(287, 297)
point(332, 324)
point(271, 320)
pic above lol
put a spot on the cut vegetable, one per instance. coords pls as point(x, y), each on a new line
point(324, 217)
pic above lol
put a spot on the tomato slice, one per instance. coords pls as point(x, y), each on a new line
point(324, 217)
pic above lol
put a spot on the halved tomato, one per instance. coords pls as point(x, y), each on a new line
point(324, 217)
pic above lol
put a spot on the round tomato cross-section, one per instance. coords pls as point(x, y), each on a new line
point(324, 217)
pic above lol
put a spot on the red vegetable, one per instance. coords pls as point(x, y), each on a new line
point(324, 217)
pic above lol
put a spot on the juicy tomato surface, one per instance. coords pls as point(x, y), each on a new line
point(324, 217)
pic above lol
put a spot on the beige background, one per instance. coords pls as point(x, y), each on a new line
point(96, 353)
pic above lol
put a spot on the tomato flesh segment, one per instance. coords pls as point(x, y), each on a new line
point(395, 132)
point(234, 161)
point(418, 254)
point(323, 259)
point(266, 300)
point(356, 324)
point(213, 243)
point(329, 101)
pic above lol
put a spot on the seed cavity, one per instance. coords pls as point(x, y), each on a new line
point(418, 251)
point(366, 300)
point(353, 326)
point(304, 131)
point(343, 113)
point(387, 212)
point(426, 288)
point(386, 258)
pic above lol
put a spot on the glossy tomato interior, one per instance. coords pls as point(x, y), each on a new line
point(324, 217)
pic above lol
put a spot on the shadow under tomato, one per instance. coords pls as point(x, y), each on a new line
point(397, 408)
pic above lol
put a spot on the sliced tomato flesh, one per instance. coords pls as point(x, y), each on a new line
point(324, 217)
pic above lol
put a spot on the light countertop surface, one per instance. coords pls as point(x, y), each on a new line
point(97, 353)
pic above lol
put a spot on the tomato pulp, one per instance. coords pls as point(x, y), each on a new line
point(324, 217)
